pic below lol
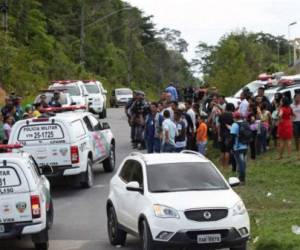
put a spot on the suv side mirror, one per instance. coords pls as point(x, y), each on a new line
point(233, 181)
point(105, 125)
point(104, 91)
point(134, 186)
point(46, 170)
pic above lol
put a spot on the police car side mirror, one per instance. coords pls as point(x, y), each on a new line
point(46, 170)
point(104, 91)
point(105, 125)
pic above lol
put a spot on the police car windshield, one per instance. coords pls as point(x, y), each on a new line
point(62, 98)
point(92, 88)
point(73, 90)
point(123, 92)
point(188, 176)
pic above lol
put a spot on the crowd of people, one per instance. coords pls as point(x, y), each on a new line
point(13, 111)
point(254, 126)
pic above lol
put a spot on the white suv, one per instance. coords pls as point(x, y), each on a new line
point(178, 199)
point(70, 142)
point(75, 88)
point(96, 97)
point(26, 205)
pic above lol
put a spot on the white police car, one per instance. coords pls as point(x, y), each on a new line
point(178, 199)
point(70, 142)
point(26, 207)
point(96, 97)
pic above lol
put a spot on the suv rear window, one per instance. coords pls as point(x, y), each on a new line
point(40, 132)
point(9, 177)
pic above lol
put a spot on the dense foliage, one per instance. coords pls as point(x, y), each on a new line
point(108, 39)
point(239, 58)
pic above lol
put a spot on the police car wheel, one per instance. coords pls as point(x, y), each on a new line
point(42, 246)
point(110, 162)
point(243, 247)
point(50, 215)
point(88, 176)
point(115, 234)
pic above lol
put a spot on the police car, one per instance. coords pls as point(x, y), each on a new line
point(96, 97)
point(75, 88)
point(70, 142)
point(26, 207)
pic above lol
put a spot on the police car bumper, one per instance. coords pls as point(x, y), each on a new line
point(13, 230)
point(67, 170)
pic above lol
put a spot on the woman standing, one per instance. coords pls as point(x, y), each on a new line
point(285, 127)
point(296, 122)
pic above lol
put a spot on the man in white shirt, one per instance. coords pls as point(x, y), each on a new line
point(169, 133)
point(244, 105)
point(191, 113)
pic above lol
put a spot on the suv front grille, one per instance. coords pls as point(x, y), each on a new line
point(206, 214)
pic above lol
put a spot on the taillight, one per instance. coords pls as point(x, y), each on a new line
point(74, 154)
point(35, 206)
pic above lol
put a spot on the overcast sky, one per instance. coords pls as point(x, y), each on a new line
point(208, 20)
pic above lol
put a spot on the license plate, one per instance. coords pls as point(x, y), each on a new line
point(2, 229)
point(209, 238)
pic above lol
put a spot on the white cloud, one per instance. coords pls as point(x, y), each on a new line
point(208, 20)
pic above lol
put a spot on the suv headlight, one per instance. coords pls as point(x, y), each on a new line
point(165, 212)
point(239, 208)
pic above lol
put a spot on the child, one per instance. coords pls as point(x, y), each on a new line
point(202, 136)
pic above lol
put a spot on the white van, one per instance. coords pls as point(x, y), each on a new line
point(96, 97)
point(75, 88)
point(26, 204)
point(70, 142)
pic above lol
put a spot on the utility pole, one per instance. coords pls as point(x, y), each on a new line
point(82, 34)
point(289, 38)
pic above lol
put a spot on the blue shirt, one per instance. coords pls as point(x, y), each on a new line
point(150, 131)
point(235, 129)
point(172, 90)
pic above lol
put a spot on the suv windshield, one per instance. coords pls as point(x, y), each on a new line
point(123, 92)
point(92, 88)
point(189, 176)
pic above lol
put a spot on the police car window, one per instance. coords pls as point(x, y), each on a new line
point(88, 123)
point(95, 123)
point(126, 171)
point(9, 177)
point(78, 128)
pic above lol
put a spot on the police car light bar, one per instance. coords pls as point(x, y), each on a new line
point(62, 109)
point(10, 146)
point(88, 81)
point(286, 82)
point(264, 77)
point(63, 81)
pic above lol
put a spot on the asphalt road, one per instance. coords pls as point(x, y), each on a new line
point(80, 218)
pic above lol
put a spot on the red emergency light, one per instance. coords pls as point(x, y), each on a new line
point(62, 109)
point(63, 81)
point(10, 146)
point(286, 82)
point(264, 77)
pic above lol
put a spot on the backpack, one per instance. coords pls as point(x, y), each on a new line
point(245, 133)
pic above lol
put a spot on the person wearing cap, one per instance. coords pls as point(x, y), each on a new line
point(43, 101)
point(28, 112)
point(239, 149)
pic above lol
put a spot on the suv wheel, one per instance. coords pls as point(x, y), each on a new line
point(88, 176)
point(146, 237)
point(115, 234)
point(243, 247)
point(110, 162)
point(42, 246)
point(50, 215)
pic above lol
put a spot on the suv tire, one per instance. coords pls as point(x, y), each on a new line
point(146, 237)
point(242, 247)
point(42, 246)
point(41, 240)
point(110, 162)
point(115, 234)
point(88, 179)
point(50, 215)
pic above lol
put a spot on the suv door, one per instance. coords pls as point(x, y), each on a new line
point(134, 201)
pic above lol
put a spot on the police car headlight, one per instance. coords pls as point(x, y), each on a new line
point(165, 212)
point(239, 208)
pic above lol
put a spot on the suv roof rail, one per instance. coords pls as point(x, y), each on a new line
point(137, 154)
point(193, 152)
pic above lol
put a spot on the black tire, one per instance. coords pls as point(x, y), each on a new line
point(110, 162)
point(41, 246)
point(88, 179)
point(242, 247)
point(115, 234)
point(147, 242)
point(104, 113)
point(50, 215)
point(101, 116)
